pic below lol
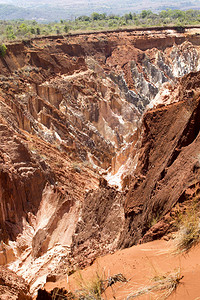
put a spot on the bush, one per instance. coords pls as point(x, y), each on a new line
point(3, 50)
point(66, 28)
point(189, 234)
point(92, 289)
point(180, 29)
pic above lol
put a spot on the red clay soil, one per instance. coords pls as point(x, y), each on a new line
point(140, 265)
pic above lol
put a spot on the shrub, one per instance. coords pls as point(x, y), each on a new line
point(92, 289)
point(3, 50)
point(189, 233)
point(189, 228)
point(66, 28)
point(180, 29)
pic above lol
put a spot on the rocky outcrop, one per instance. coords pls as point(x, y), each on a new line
point(168, 163)
point(22, 180)
point(101, 223)
point(44, 241)
point(12, 286)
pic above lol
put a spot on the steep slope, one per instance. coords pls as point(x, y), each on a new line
point(22, 181)
point(168, 165)
point(167, 173)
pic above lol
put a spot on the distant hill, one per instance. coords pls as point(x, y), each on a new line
point(41, 13)
point(45, 10)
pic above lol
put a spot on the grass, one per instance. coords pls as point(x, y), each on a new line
point(94, 288)
point(91, 289)
point(189, 229)
point(189, 235)
point(60, 293)
point(165, 285)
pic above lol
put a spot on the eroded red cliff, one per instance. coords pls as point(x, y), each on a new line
point(77, 111)
point(168, 164)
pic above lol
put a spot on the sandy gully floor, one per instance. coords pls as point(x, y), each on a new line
point(140, 264)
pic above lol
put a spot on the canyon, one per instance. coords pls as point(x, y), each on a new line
point(100, 147)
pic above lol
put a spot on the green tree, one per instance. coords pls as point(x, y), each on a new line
point(145, 13)
point(9, 33)
point(23, 28)
point(128, 17)
point(83, 18)
point(32, 30)
point(66, 28)
point(95, 16)
point(163, 14)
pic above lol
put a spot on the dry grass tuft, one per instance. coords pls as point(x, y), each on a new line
point(189, 236)
point(91, 289)
point(94, 288)
point(167, 284)
point(189, 233)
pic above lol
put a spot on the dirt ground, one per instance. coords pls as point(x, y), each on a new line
point(140, 264)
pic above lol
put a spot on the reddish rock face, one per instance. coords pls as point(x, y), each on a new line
point(100, 226)
point(168, 164)
point(13, 287)
point(22, 180)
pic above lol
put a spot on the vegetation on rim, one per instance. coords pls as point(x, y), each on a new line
point(20, 29)
point(3, 50)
